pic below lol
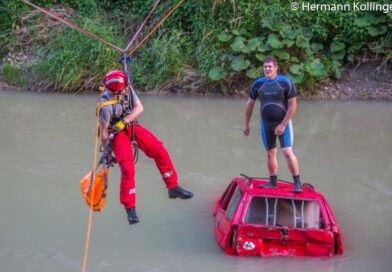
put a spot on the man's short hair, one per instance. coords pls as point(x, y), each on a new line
point(270, 59)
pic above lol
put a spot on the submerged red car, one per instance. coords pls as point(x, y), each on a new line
point(250, 220)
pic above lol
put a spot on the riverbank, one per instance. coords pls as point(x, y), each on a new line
point(368, 81)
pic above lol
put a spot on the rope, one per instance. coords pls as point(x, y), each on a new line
point(90, 217)
point(135, 152)
point(91, 35)
point(142, 25)
point(54, 15)
point(155, 28)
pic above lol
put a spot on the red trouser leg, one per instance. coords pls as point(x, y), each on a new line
point(153, 148)
point(122, 149)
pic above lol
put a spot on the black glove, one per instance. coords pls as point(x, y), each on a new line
point(107, 157)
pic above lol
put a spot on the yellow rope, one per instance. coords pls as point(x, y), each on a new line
point(90, 217)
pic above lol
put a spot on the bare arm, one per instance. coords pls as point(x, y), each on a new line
point(135, 113)
point(104, 128)
point(248, 115)
point(292, 108)
point(104, 131)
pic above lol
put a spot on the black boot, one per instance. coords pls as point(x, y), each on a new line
point(271, 184)
point(132, 216)
point(179, 192)
point(297, 184)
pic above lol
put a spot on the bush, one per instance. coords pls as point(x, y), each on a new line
point(163, 60)
point(309, 46)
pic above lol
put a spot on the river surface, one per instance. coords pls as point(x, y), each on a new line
point(46, 147)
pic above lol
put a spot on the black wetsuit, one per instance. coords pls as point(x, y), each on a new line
point(274, 96)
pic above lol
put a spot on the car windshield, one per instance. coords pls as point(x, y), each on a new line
point(303, 214)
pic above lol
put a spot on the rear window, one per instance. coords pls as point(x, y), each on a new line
point(303, 214)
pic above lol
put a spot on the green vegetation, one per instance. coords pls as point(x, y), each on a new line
point(224, 41)
point(12, 75)
point(9, 72)
point(73, 62)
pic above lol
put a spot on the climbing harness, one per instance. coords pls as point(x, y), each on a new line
point(126, 102)
point(106, 103)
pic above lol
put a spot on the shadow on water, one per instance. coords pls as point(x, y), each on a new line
point(46, 144)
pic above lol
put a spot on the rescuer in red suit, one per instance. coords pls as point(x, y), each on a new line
point(118, 110)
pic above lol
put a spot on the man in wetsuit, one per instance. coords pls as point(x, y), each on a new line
point(119, 130)
point(278, 98)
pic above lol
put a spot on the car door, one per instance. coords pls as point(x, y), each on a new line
point(224, 222)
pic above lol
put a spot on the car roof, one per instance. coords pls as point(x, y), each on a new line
point(283, 190)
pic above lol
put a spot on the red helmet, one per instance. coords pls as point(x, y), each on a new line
point(115, 81)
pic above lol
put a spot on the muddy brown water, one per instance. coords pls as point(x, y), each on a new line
point(46, 146)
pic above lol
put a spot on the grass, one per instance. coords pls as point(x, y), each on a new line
point(12, 75)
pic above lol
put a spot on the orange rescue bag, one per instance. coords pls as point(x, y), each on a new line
point(100, 189)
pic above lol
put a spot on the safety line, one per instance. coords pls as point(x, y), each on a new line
point(90, 216)
point(54, 15)
point(142, 25)
point(155, 28)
